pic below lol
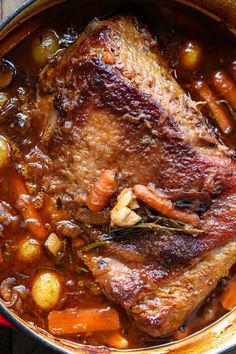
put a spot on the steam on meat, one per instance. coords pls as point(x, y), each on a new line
point(120, 109)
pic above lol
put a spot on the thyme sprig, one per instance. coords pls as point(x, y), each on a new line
point(161, 223)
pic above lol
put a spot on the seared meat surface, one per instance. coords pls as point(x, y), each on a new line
point(118, 107)
point(159, 310)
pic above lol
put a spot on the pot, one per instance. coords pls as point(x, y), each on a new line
point(217, 338)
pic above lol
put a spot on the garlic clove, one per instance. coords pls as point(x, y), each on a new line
point(125, 197)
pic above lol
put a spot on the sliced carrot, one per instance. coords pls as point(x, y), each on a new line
point(228, 298)
point(11, 40)
point(102, 191)
point(25, 206)
point(163, 205)
point(225, 86)
point(217, 109)
point(71, 321)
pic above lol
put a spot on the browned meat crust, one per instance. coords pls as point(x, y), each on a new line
point(160, 310)
point(119, 108)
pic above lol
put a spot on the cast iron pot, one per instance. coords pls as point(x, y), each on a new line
point(217, 338)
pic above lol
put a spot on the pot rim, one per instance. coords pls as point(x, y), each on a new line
point(9, 315)
point(21, 324)
point(15, 13)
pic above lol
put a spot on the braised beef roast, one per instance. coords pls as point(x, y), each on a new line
point(115, 105)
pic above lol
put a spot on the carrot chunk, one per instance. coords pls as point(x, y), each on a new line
point(71, 321)
point(225, 86)
point(25, 206)
point(228, 298)
point(102, 191)
point(219, 112)
point(163, 205)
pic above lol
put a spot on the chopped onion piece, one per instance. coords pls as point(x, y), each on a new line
point(53, 243)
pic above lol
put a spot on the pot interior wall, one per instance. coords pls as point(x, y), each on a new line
point(221, 335)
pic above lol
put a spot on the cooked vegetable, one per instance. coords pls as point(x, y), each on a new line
point(46, 290)
point(71, 321)
point(29, 249)
point(3, 99)
point(225, 86)
point(124, 217)
point(4, 152)
point(49, 119)
point(163, 205)
point(25, 206)
point(191, 55)
point(53, 243)
point(218, 110)
point(102, 191)
point(68, 228)
point(43, 46)
point(115, 340)
point(13, 294)
point(127, 198)
point(228, 298)
point(6, 73)
point(6, 288)
point(122, 213)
